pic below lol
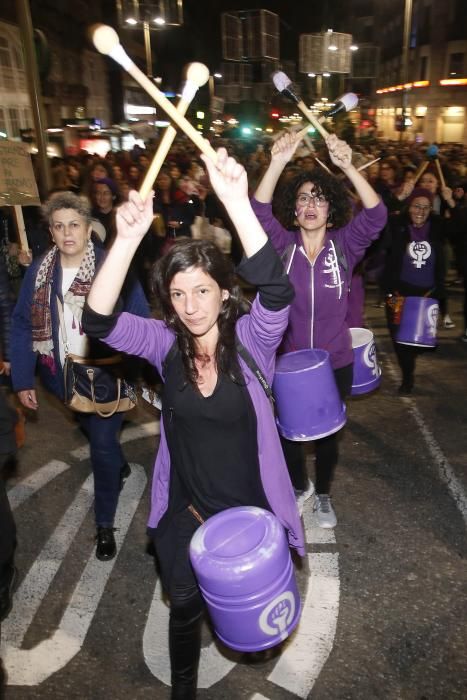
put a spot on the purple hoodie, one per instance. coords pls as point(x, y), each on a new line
point(260, 332)
point(319, 309)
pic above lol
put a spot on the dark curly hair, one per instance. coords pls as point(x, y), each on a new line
point(207, 256)
point(325, 185)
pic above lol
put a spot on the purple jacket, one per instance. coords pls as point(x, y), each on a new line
point(260, 331)
point(318, 311)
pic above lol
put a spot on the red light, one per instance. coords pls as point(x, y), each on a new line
point(275, 115)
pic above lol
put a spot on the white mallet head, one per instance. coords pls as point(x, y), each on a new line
point(344, 103)
point(197, 73)
point(283, 85)
point(106, 41)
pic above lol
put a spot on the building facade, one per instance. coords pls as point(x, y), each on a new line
point(427, 95)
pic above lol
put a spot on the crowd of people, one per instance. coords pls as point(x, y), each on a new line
point(107, 271)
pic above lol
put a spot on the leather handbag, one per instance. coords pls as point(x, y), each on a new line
point(94, 385)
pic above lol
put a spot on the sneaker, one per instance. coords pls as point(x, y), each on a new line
point(302, 496)
point(325, 514)
point(448, 322)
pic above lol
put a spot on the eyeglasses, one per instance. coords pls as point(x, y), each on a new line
point(421, 207)
point(317, 199)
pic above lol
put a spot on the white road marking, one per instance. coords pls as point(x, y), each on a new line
point(445, 470)
point(33, 666)
point(34, 586)
point(213, 665)
point(307, 650)
point(24, 490)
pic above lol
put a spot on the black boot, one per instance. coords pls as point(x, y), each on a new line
point(106, 547)
point(185, 649)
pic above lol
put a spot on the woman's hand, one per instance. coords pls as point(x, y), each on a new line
point(285, 147)
point(5, 368)
point(446, 194)
point(28, 398)
point(228, 177)
point(25, 257)
point(134, 217)
point(340, 152)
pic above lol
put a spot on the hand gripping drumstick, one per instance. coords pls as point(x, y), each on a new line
point(106, 41)
point(197, 74)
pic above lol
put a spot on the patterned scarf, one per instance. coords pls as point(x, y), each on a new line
point(42, 338)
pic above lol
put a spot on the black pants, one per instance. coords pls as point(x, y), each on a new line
point(326, 449)
point(186, 604)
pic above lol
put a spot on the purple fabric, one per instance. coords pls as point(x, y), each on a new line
point(418, 263)
point(318, 312)
point(260, 331)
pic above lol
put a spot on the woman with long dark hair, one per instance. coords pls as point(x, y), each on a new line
point(320, 245)
point(219, 445)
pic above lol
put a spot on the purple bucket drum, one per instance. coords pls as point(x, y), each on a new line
point(307, 399)
point(243, 566)
point(419, 321)
point(366, 370)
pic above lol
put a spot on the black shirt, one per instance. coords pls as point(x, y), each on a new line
point(213, 445)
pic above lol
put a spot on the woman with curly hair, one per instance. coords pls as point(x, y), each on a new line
point(320, 246)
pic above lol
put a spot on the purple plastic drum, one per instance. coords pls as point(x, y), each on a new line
point(366, 370)
point(419, 320)
point(307, 399)
point(242, 562)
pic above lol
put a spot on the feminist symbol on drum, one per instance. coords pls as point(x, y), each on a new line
point(369, 357)
point(278, 615)
point(419, 251)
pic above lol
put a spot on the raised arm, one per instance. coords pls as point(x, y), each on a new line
point(281, 152)
point(133, 220)
point(229, 181)
point(341, 155)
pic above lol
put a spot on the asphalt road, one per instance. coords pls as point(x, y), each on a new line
point(384, 594)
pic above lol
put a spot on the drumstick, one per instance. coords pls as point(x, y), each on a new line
point(420, 171)
point(283, 85)
point(440, 173)
point(367, 165)
point(106, 41)
point(197, 75)
point(325, 167)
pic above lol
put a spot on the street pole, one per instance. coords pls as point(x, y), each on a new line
point(34, 89)
point(147, 48)
point(405, 62)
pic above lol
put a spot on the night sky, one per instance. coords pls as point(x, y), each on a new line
point(200, 37)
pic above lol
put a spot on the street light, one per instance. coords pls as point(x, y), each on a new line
point(152, 16)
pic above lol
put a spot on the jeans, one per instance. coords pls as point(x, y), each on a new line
point(107, 460)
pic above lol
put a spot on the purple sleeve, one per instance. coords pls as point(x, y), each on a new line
point(143, 337)
point(277, 234)
point(356, 236)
